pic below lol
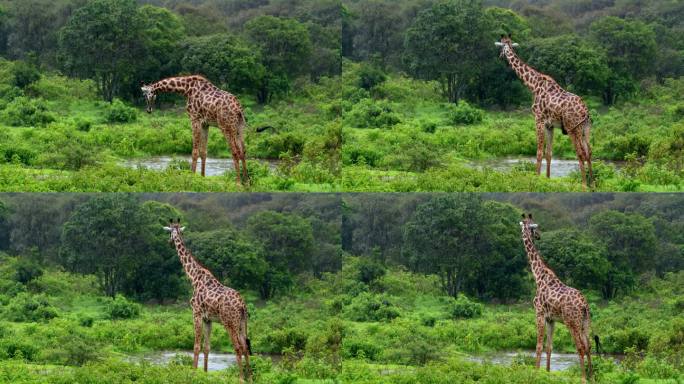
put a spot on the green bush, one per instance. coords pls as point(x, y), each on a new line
point(280, 340)
point(83, 125)
point(369, 113)
point(464, 113)
point(122, 308)
point(24, 111)
point(370, 76)
point(118, 112)
point(11, 153)
point(369, 307)
point(27, 307)
point(464, 308)
point(24, 74)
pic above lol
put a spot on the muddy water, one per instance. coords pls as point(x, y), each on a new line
point(214, 167)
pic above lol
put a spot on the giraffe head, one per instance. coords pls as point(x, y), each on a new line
point(528, 224)
point(150, 96)
point(506, 44)
point(174, 228)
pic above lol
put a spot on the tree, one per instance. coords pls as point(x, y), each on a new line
point(447, 42)
point(103, 40)
point(122, 243)
point(224, 59)
point(162, 33)
point(33, 26)
point(575, 257)
point(630, 47)
point(285, 49)
point(574, 62)
point(288, 245)
point(377, 32)
point(630, 242)
point(464, 242)
point(234, 259)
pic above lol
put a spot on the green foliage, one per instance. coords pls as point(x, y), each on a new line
point(370, 77)
point(369, 307)
point(24, 74)
point(368, 113)
point(120, 308)
point(25, 307)
point(118, 112)
point(464, 113)
point(24, 111)
point(464, 308)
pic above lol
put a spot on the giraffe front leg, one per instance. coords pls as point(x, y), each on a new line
point(204, 138)
point(541, 127)
point(207, 343)
point(540, 339)
point(196, 136)
point(548, 150)
point(198, 339)
point(549, 343)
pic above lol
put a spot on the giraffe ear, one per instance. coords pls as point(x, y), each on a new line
point(168, 229)
point(514, 45)
point(498, 43)
point(182, 229)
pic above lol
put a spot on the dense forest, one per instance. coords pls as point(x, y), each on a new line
point(429, 104)
point(70, 99)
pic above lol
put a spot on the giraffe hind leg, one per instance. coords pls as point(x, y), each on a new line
point(549, 342)
point(207, 343)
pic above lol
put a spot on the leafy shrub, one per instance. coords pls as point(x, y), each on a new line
point(464, 308)
point(369, 307)
point(27, 307)
point(83, 125)
point(360, 349)
point(24, 111)
point(24, 74)
point(368, 113)
point(15, 154)
point(122, 308)
point(464, 113)
point(26, 271)
point(286, 338)
point(370, 76)
point(369, 270)
point(118, 112)
point(620, 146)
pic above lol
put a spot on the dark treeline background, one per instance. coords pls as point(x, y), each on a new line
point(258, 47)
point(607, 48)
point(261, 242)
point(609, 243)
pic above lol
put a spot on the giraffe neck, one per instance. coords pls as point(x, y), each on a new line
point(528, 75)
point(539, 269)
point(172, 85)
point(193, 269)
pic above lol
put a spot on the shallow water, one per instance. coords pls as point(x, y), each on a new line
point(215, 166)
point(559, 361)
point(220, 361)
point(217, 361)
point(559, 167)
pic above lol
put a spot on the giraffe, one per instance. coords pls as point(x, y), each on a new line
point(212, 301)
point(555, 301)
point(553, 105)
point(206, 104)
